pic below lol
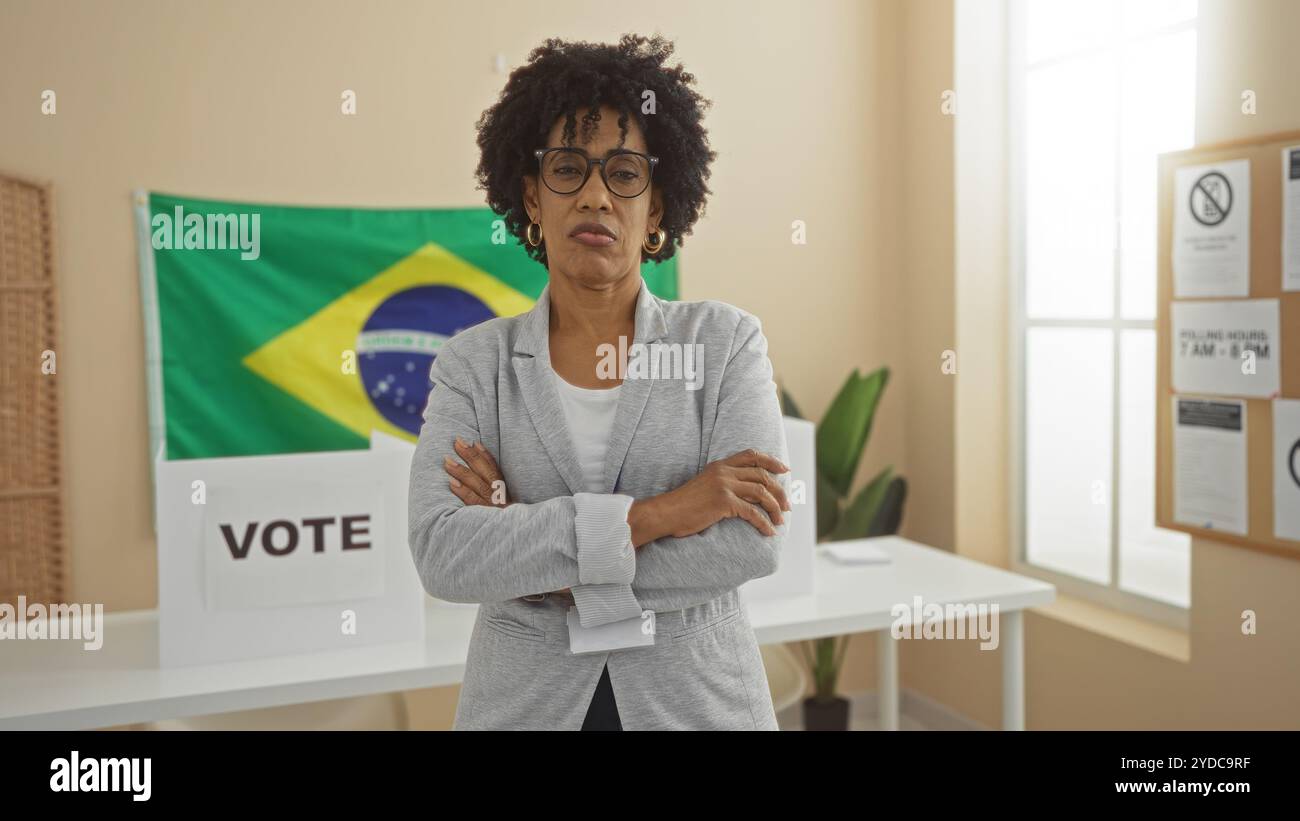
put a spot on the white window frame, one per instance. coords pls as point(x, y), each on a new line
point(1109, 595)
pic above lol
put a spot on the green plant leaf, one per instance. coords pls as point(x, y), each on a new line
point(842, 434)
point(842, 647)
point(828, 507)
point(824, 670)
point(856, 520)
point(890, 513)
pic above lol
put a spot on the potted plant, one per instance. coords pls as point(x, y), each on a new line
point(876, 510)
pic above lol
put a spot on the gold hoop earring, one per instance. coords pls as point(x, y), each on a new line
point(660, 238)
point(529, 233)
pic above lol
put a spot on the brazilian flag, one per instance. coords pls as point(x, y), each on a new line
point(279, 329)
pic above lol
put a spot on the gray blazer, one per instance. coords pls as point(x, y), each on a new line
point(492, 383)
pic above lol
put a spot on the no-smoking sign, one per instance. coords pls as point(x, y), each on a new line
point(1211, 198)
point(1211, 247)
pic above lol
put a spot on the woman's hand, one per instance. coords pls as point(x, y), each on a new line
point(479, 480)
point(726, 488)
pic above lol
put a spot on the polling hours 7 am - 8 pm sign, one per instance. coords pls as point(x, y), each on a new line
point(288, 554)
point(1226, 347)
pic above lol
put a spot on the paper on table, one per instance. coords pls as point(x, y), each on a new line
point(1286, 469)
point(857, 552)
point(1210, 464)
point(1211, 251)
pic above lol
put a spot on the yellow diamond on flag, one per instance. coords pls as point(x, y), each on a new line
point(388, 329)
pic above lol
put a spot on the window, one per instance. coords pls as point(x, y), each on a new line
point(1097, 90)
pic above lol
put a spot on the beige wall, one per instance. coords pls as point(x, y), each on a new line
point(925, 139)
point(982, 288)
point(240, 100)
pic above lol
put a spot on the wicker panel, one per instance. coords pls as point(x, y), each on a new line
point(32, 553)
point(25, 525)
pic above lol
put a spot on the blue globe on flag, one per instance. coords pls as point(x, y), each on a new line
point(399, 341)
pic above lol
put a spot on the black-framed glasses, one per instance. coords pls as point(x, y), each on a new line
point(626, 173)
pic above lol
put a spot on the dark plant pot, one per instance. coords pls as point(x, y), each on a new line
point(826, 714)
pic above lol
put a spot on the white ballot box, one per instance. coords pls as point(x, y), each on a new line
point(279, 555)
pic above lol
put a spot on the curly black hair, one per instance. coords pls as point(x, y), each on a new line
point(562, 77)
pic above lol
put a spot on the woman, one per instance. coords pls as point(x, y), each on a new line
point(576, 474)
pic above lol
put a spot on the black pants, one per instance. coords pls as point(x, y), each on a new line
point(603, 712)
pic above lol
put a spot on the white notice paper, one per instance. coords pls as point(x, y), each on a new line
point(1229, 347)
point(1211, 251)
point(1286, 469)
point(1291, 218)
point(858, 551)
point(1210, 464)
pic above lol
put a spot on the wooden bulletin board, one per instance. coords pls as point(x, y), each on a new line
point(1265, 155)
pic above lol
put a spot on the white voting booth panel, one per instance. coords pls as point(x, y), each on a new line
point(280, 555)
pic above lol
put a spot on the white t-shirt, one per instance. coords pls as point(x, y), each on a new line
point(589, 413)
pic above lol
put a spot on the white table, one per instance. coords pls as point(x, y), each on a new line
point(860, 598)
point(48, 684)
